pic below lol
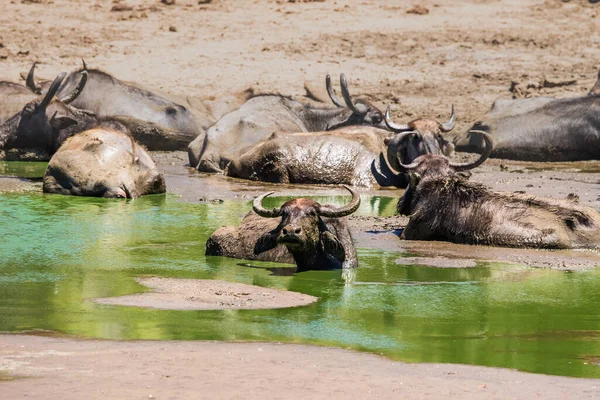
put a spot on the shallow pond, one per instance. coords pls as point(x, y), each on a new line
point(58, 251)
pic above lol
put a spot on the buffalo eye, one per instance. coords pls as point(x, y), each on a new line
point(377, 119)
point(171, 111)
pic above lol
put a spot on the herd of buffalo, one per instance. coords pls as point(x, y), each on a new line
point(96, 130)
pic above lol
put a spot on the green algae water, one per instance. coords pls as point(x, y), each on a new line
point(57, 252)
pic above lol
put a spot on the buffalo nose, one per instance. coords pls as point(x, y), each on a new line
point(292, 229)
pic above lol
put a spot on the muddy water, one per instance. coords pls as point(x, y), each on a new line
point(59, 251)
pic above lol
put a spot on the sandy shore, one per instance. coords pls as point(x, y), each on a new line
point(63, 368)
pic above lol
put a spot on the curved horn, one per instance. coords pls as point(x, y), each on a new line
point(392, 154)
point(336, 100)
point(346, 95)
point(449, 125)
point(489, 146)
point(75, 93)
point(345, 210)
point(52, 91)
point(260, 210)
point(84, 65)
point(30, 81)
point(392, 125)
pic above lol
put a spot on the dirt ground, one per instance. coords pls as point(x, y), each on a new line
point(419, 56)
point(65, 368)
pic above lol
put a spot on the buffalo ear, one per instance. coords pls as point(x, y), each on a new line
point(61, 123)
point(266, 242)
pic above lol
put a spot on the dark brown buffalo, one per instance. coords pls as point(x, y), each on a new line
point(261, 116)
point(312, 235)
point(103, 163)
point(442, 205)
point(418, 137)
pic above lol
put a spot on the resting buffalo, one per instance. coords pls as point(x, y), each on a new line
point(312, 235)
point(541, 129)
point(261, 116)
point(442, 205)
point(107, 96)
point(102, 163)
point(350, 155)
point(45, 122)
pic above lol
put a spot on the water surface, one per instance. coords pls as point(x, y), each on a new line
point(58, 251)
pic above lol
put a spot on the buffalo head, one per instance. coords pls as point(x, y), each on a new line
point(418, 137)
point(432, 166)
point(363, 111)
point(302, 230)
point(41, 121)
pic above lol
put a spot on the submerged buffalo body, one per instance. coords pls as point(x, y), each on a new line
point(102, 163)
point(261, 116)
point(352, 156)
point(301, 231)
point(444, 206)
point(541, 129)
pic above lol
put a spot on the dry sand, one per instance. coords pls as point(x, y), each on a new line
point(65, 368)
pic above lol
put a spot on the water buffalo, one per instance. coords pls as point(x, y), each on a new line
point(540, 129)
point(107, 96)
point(45, 122)
point(418, 137)
point(102, 163)
point(350, 155)
point(442, 205)
point(261, 116)
point(312, 235)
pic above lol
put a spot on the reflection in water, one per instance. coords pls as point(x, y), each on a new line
point(58, 251)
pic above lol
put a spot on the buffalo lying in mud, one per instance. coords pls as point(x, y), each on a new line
point(312, 235)
point(107, 96)
point(350, 155)
point(418, 137)
point(102, 163)
point(261, 116)
point(44, 123)
point(37, 131)
point(541, 129)
point(442, 205)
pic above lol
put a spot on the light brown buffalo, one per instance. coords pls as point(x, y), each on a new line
point(103, 163)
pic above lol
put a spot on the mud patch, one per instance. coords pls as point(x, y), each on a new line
point(206, 294)
point(438, 262)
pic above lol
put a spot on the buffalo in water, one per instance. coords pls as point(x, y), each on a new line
point(301, 231)
point(102, 163)
point(261, 116)
point(351, 155)
point(443, 205)
point(541, 129)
